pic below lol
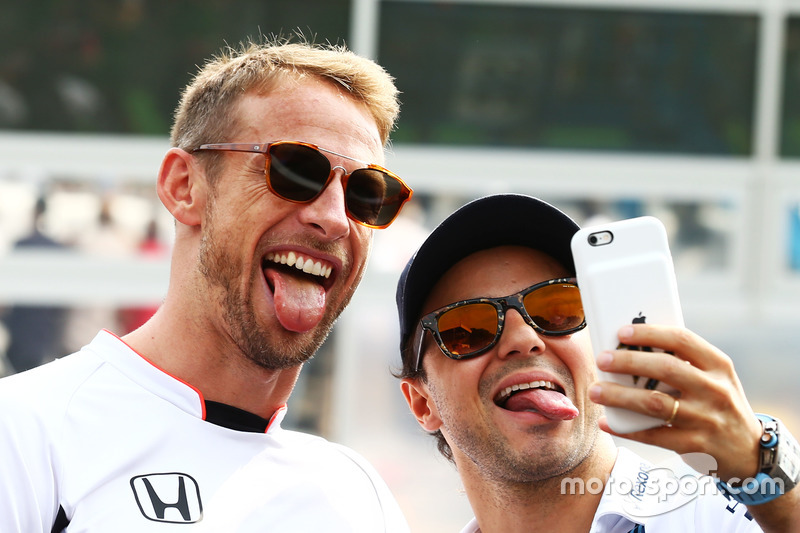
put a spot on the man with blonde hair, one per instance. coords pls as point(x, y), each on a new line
point(274, 183)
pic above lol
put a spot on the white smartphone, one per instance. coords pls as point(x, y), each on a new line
point(625, 274)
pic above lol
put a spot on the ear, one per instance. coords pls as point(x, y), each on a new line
point(421, 404)
point(182, 187)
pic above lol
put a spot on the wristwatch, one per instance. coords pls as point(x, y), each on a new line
point(778, 466)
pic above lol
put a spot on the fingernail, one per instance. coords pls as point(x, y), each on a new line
point(604, 359)
point(625, 332)
point(594, 392)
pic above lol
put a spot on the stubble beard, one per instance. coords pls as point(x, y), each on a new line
point(272, 350)
point(543, 461)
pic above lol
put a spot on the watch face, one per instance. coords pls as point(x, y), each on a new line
point(780, 453)
point(788, 461)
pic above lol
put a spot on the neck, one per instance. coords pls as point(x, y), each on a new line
point(218, 370)
point(542, 505)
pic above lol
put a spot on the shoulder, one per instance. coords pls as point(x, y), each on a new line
point(298, 472)
point(34, 404)
point(47, 388)
point(321, 452)
point(713, 510)
point(35, 407)
point(336, 465)
point(670, 496)
point(709, 512)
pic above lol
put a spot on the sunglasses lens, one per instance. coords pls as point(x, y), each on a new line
point(469, 328)
point(555, 308)
point(374, 197)
point(297, 173)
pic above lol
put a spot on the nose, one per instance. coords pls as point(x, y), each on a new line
point(518, 338)
point(327, 212)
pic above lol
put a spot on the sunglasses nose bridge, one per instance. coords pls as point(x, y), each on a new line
point(516, 303)
point(517, 335)
point(343, 176)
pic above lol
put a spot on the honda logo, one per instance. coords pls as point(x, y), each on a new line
point(170, 497)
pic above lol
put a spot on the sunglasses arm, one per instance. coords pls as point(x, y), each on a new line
point(235, 147)
point(416, 345)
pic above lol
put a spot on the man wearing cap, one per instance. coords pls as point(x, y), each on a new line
point(498, 366)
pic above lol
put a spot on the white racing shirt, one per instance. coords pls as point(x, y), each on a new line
point(640, 497)
point(102, 440)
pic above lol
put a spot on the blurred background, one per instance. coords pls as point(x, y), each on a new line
point(686, 110)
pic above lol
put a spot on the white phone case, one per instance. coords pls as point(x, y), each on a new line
point(625, 274)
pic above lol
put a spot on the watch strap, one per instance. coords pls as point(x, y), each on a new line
point(760, 489)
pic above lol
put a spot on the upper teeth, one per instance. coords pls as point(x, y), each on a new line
point(309, 266)
point(523, 386)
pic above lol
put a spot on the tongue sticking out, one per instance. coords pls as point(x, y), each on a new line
point(548, 403)
point(299, 301)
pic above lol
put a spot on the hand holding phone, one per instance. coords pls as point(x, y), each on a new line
point(625, 274)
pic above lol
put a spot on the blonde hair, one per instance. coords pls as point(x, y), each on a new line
point(205, 112)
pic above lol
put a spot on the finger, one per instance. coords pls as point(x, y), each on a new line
point(736, 454)
point(652, 403)
point(662, 436)
point(679, 341)
point(661, 366)
point(674, 414)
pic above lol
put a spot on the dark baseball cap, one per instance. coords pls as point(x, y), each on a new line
point(488, 222)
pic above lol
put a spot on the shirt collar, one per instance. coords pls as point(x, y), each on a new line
point(139, 369)
point(639, 490)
